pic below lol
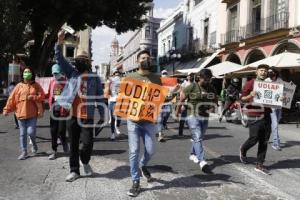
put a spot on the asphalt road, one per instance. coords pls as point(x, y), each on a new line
point(176, 176)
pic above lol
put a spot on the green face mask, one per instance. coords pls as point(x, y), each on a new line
point(27, 76)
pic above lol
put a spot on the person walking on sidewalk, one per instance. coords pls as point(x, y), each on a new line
point(276, 114)
point(57, 125)
point(166, 109)
point(201, 98)
point(10, 89)
point(113, 85)
point(190, 80)
point(141, 130)
point(80, 95)
point(259, 122)
point(26, 101)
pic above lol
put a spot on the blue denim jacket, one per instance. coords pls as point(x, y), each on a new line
point(94, 87)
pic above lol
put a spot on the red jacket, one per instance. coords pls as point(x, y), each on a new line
point(55, 88)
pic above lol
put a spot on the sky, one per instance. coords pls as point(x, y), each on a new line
point(103, 36)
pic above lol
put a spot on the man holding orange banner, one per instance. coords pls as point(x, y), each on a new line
point(139, 101)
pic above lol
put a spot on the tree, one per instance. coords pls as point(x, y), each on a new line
point(45, 18)
point(12, 25)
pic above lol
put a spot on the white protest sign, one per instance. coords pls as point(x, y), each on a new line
point(288, 94)
point(268, 93)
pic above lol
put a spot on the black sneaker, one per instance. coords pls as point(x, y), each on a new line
point(135, 189)
point(146, 174)
point(243, 158)
point(262, 169)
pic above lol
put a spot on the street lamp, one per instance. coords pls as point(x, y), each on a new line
point(97, 67)
point(173, 55)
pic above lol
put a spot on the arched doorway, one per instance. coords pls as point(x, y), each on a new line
point(287, 46)
point(253, 56)
point(234, 58)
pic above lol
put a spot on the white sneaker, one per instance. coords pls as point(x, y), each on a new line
point(203, 165)
point(113, 136)
point(23, 156)
point(118, 132)
point(194, 158)
point(161, 137)
point(87, 169)
point(72, 177)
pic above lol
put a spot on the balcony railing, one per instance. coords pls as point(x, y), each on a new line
point(265, 25)
point(230, 37)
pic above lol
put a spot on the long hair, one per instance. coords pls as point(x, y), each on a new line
point(33, 74)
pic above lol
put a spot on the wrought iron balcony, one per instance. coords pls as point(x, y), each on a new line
point(265, 25)
point(232, 36)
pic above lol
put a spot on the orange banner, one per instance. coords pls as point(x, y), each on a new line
point(139, 101)
point(168, 81)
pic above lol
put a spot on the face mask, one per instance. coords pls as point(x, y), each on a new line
point(145, 65)
point(271, 75)
point(27, 76)
point(81, 66)
point(57, 76)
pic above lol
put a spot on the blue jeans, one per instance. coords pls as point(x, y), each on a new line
point(275, 117)
point(164, 116)
point(197, 126)
point(136, 131)
point(111, 107)
point(27, 128)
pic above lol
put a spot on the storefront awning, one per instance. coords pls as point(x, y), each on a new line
point(200, 65)
point(282, 60)
point(223, 68)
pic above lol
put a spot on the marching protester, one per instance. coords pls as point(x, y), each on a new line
point(10, 89)
point(259, 122)
point(232, 94)
point(273, 76)
point(166, 109)
point(26, 101)
point(57, 125)
point(113, 85)
point(141, 130)
point(189, 80)
point(201, 100)
point(82, 91)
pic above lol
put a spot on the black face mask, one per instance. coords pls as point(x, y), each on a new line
point(146, 65)
point(271, 75)
point(81, 66)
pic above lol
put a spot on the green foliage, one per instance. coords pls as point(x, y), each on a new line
point(12, 26)
point(45, 17)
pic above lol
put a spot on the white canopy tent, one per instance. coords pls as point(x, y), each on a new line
point(219, 70)
point(282, 60)
point(203, 65)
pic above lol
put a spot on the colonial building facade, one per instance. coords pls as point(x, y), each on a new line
point(256, 29)
point(144, 38)
point(78, 42)
point(192, 29)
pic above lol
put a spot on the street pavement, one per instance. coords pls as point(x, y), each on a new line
point(176, 177)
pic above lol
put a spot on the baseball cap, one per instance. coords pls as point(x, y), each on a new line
point(55, 69)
